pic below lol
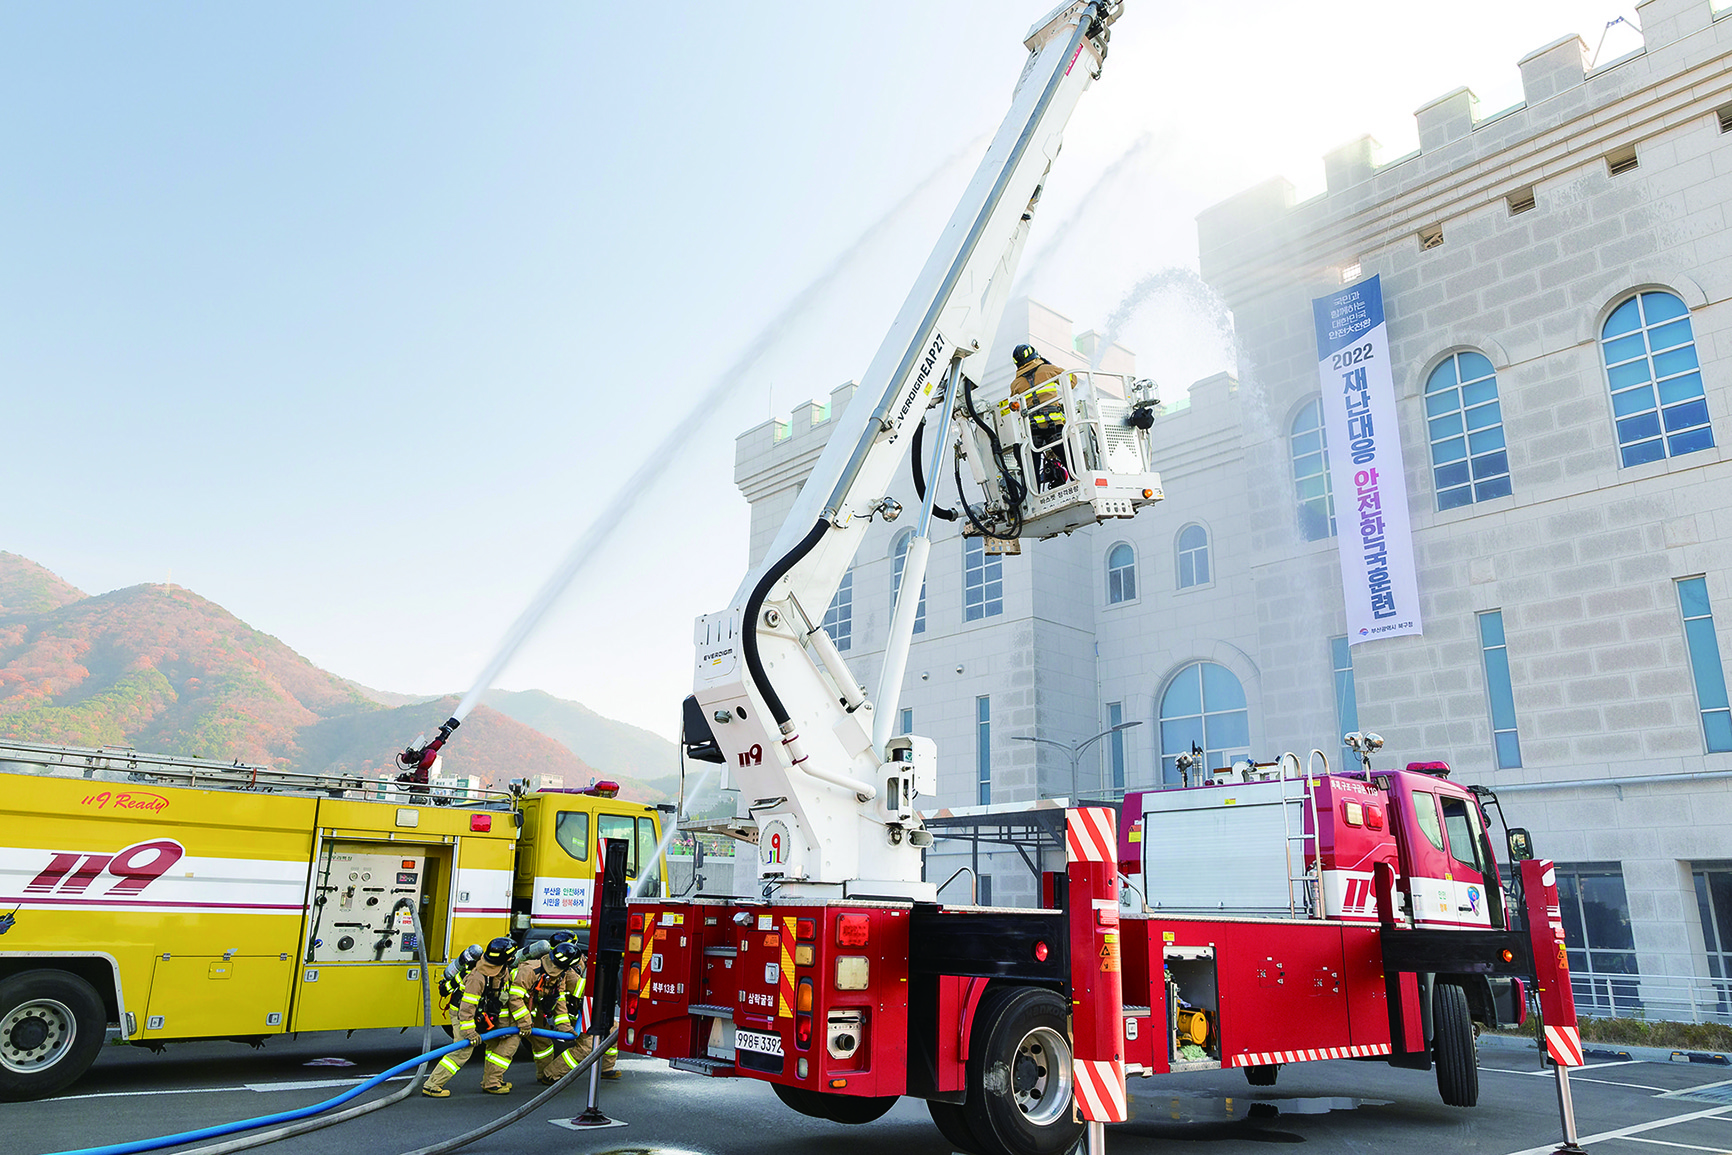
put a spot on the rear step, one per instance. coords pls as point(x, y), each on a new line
point(710, 1010)
point(722, 1067)
point(721, 952)
point(1135, 1012)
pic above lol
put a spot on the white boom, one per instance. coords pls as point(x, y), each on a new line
point(829, 793)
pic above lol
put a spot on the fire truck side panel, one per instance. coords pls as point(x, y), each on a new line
point(1363, 979)
point(215, 882)
point(1220, 847)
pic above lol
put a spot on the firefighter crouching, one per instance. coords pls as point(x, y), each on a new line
point(552, 983)
point(490, 998)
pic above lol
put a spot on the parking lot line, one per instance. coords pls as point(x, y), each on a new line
point(1575, 1078)
point(1665, 1143)
point(1626, 1132)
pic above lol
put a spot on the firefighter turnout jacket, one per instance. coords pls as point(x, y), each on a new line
point(491, 998)
point(551, 995)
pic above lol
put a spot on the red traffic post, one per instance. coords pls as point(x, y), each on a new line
point(1552, 982)
point(1096, 977)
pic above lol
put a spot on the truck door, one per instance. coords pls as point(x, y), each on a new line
point(1473, 893)
point(639, 831)
point(563, 887)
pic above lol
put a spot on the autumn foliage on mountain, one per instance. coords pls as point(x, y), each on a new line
point(160, 669)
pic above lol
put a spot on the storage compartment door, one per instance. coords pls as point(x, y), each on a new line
point(206, 996)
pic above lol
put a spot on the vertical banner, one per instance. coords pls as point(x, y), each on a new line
point(1372, 531)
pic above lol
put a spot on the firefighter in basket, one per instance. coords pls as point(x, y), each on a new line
point(552, 983)
point(1034, 384)
point(487, 997)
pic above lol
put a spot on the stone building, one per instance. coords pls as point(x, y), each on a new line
point(1555, 279)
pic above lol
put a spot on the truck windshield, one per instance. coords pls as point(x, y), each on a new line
point(620, 826)
point(1464, 833)
point(1425, 812)
point(571, 831)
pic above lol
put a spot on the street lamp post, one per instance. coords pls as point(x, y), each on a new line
point(1074, 753)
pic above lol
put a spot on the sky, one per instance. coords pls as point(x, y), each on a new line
point(353, 318)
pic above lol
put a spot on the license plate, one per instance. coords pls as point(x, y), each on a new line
point(758, 1041)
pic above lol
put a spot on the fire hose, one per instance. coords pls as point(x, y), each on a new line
point(300, 1113)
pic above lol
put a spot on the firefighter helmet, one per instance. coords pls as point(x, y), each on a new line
point(1023, 354)
point(560, 936)
point(565, 955)
point(501, 951)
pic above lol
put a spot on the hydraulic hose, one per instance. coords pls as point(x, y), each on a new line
point(916, 455)
point(139, 1145)
point(755, 602)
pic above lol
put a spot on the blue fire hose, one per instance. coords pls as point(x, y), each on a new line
point(138, 1145)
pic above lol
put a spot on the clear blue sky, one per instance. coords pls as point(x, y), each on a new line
point(350, 317)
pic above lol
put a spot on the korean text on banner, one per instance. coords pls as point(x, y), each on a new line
point(1374, 538)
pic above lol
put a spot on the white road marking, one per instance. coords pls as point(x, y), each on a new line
point(1685, 1146)
point(1626, 1132)
point(293, 1085)
point(1576, 1079)
point(1682, 1091)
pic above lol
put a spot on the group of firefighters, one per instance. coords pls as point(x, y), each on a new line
point(544, 989)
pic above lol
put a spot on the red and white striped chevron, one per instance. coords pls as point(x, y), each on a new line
point(1089, 835)
point(1100, 1089)
point(1564, 1045)
point(1266, 1058)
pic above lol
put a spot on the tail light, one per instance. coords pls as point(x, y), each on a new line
point(805, 929)
point(803, 1015)
point(636, 922)
point(853, 929)
point(633, 979)
point(803, 1031)
point(634, 944)
point(803, 1000)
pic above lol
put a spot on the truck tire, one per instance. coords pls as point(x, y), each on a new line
point(1262, 1075)
point(852, 1110)
point(1454, 1048)
point(1019, 1074)
point(52, 1026)
point(953, 1125)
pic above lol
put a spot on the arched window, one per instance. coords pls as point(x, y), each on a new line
point(1193, 557)
point(1203, 706)
point(1657, 401)
point(1121, 574)
point(1310, 448)
point(1468, 460)
point(839, 618)
point(900, 556)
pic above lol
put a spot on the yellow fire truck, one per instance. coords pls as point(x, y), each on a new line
point(173, 898)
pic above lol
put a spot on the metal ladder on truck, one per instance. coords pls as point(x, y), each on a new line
point(1303, 891)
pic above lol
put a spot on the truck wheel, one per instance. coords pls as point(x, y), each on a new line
point(52, 1026)
point(1454, 1047)
point(953, 1125)
point(1019, 1074)
point(850, 1109)
point(1262, 1075)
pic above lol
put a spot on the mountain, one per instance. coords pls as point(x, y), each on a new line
point(161, 669)
point(615, 749)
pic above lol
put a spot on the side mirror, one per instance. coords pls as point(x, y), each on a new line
point(697, 856)
point(1521, 846)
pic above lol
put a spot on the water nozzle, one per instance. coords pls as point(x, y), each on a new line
point(416, 762)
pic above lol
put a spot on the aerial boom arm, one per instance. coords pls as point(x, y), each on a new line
point(832, 808)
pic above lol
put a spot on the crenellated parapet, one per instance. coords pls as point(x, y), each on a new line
point(1570, 116)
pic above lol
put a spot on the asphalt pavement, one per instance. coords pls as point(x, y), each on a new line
point(1622, 1107)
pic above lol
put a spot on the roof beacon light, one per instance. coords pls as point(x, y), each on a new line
point(1435, 769)
point(604, 789)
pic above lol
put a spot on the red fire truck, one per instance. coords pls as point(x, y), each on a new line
point(845, 983)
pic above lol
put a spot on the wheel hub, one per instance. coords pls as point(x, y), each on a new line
point(36, 1035)
point(1040, 1076)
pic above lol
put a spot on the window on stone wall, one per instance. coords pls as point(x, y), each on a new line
point(1203, 706)
point(1116, 748)
point(1714, 904)
point(907, 723)
point(983, 749)
point(1658, 407)
point(1598, 938)
point(1121, 574)
point(1193, 557)
point(1468, 459)
point(1499, 693)
point(1346, 701)
point(1705, 666)
point(982, 581)
point(839, 618)
point(899, 559)
point(1310, 450)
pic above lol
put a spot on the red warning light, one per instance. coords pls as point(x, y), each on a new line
point(853, 929)
point(478, 824)
point(1040, 952)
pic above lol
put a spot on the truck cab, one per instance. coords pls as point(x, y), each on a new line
point(558, 858)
